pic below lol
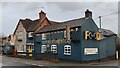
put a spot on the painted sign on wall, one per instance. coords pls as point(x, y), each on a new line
point(58, 41)
point(90, 51)
point(92, 35)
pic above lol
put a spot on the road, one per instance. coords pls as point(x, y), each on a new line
point(10, 61)
point(7, 62)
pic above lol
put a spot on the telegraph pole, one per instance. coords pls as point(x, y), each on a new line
point(100, 21)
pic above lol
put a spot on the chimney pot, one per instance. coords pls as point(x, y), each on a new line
point(42, 15)
point(88, 14)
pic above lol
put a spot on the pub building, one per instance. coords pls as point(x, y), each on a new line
point(75, 40)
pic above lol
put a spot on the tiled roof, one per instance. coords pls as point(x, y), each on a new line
point(62, 25)
point(53, 22)
point(106, 32)
point(26, 23)
point(32, 25)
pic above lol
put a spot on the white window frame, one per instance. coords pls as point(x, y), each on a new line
point(67, 50)
point(43, 48)
point(64, 33)
point(76, 29)
point(32, 47)
point(54, 48)
point(43, 36)
point(20, 35)
point(30, 34)
point(71, 30)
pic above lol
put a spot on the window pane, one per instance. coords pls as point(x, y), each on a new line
point(43, 48)
point(68, 47)
point(54, 48)
point(67, 50)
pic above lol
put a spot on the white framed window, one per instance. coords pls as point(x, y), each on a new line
point(71, 30)
point(76, 29)
point(43, 36)
point(67, 50)
point(58, 31)
point(20, 35)
point(54, 48)
point(32, 47)
point(55, 32)
point(43, 48)
point(30, 34)
point(65, 34)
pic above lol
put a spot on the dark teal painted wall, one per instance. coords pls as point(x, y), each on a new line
point(107, 47)
point(30, 40)
point(111, 48)
point(89, 25)
point(77, 53)
point(102, 49)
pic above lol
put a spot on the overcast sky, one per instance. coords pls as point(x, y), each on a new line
point(58, 11)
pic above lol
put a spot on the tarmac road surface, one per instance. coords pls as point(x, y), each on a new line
point(10, 62)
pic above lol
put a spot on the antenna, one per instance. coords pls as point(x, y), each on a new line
point(42, 7)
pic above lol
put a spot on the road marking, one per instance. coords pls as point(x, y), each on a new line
point(34, 64)
point(13, 61)
point(28, 63)
point(40, 65)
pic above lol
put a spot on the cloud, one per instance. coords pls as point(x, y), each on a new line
point(71, 10)
point(58, 11)
point(68, 6)
point(119, 18)
point(59, 0)
point(0, 18)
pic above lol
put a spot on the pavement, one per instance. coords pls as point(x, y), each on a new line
point(10, 61)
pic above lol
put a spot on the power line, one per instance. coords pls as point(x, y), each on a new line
point(110, 14)
point(100, 18)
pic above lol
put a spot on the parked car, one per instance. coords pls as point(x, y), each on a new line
point(8, 49)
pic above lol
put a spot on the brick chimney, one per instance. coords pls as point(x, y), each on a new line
point(42, 15)
point(88, 14)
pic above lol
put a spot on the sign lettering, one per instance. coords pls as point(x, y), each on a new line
point(92, 35)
